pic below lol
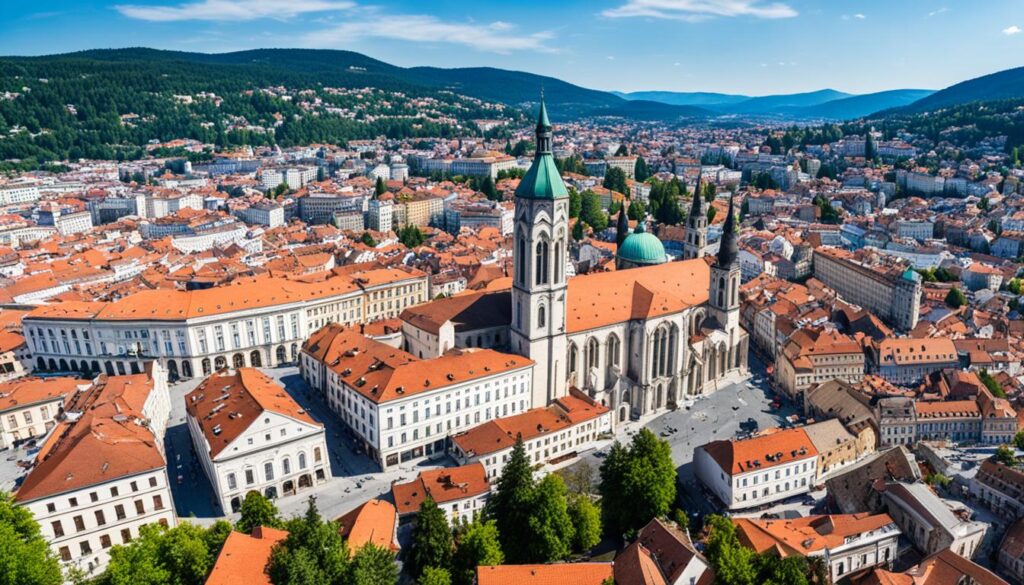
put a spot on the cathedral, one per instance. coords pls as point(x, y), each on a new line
point(638, 339)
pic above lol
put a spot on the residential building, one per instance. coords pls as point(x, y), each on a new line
point(929, 523)
point(551, 434)
point(244, 557)
point(813, 356)
point(662, 554)
point(893, 292)
point(30, 407)
point(1000, 488)
point(897, 421)
point(746, 473)
point(942, 568)
point(374, 522)
point(837, 399)
point(837, 447)
point(909, 360)
point(15, 356)
point(847, 543)
point(1011, 552)
point(250, 435)
point(462, 492)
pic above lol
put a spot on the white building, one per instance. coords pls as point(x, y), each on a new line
point(102, 475)
point(462, 492)
point(747, 473)
point(251, 436)
point(29, 407)
point(402, 408)
point(379, 218)
point(294, 177)
point(270, 214)
point(929, 523)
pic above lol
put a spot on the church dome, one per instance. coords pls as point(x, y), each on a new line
point(642, 248)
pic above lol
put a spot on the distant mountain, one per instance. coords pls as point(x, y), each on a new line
point(861, 105)
point(348, 68)
point(771, 104)
point(681, 98)
point(1006, 84)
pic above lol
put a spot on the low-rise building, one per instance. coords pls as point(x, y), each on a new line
point(1011, 552)
point(30, 407)
point(837, 399)
point(462, 492)
point(836, 446)
point(909, 360)
point(942, 568)
point(929, 523)
point(550, 434)
point(746, 473)
point(847, 543)
point(815, 355)
point(244, 557)
point(250, 435)
point(662, 554)
point(1000, 488)
point(15, 357)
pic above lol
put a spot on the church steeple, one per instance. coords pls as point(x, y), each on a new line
point(729, 250)
point(543, 129)
point(542, 180)
point(696, 226)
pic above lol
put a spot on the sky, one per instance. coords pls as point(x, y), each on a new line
point(754, 47)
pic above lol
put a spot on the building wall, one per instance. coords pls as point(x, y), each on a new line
point(755, 488)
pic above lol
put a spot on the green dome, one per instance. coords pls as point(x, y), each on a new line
point(641, 247)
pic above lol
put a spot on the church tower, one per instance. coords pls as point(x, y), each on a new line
point(540, 255)
point(724, 297)
point(696, 226)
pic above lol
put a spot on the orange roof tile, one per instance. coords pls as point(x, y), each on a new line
point(442, 485)
point(243, 558)
point(556, 574)
point(762, 451)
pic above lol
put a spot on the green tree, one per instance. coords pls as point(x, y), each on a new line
point(991, 383)
point(578, 230)
point(521, 148)
point(1006, 456)
point(476, 544)
point(182, 555)
point(712, 211)
point(1014, 286)
point(434, 576)
point(732, 562)
point(955, 298)
point(638, 483)
point(586, 518)
point(550, 524)
point(411, 236)
point(379, 188)
point(489, 190)
point(256, 511)
point(313, 553)
point(615, 179)
point(25, 557)
point(575, 203)
point(937, 479)
point(623, 150)
point(773, 570)
point(592, 213)
point(432, 539)
point(641, 172)
point(870, 152)
point(367, 238)
point(637, 210)
point(279, 190)
point(510, 503)
point(373, 565)
point(1018, 440)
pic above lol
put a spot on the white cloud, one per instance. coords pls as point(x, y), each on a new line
point(236, 10)
point(939, 11)
point(700, 10)
point(496, 37)
point(859, 16)
point(1011, 30)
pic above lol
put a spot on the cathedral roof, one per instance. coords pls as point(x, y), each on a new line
point(641, 247)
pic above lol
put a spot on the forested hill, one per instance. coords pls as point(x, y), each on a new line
point(1008, 84)
point(110, 103)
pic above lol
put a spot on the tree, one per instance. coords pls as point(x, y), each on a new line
point(488, 189)
point(937, 479)
point(641, 172)
point(869, 146)
point(578, 230)
point(637, 210)
point(623, 150)
point(991, 383)
point(182, 555)
point(592, 213)
point(432, 539)
point(367, 238)
point(379, 188)
point(374, 565)
point(615, 179)
point(510, 505)
point(575, 203)
point(955, 298)
point(586, 518)
point(712, 211)
point(313, 553)
point(1014, 286)
point(435, 576)
point(550, 524)
point(279, 190)
point(256, 511)
point(638, 483)
point(1006, 456)
point(732, 562)
point(521, 148)
point(1018, 440)
point(25, 557)
point(476, 544)
point(411, 236)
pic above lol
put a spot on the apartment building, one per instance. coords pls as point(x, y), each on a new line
point(847, 543)
point(29, 407)
point(838, 400)
point(101, 475)
point(551, 434)
point(420, 210)
point(837, 447)
point(897, 421)
point(257, 321)
point(909, 360)
point(462, 492)
point(929, 523)
point(250, 435)
point(1001, 488)
point(402, 408)
point(15, 356)
point(294, 177)
point(813, 356)
point(626, 164)
point(746, 473)
point(892, 291)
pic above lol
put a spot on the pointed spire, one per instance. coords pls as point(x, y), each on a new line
point(542, 118)
point(543, 128)
point(696, 208)
point(622, 224)
point(729, 249)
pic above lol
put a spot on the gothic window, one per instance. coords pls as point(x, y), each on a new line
point(573, 355)
point(541, 320)
point(592, 353)
point(519, 315)
point(541, 263)
point(521, 259)
point(559, 261)
point(613, 350)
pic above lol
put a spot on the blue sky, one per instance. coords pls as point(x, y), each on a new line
point(739, 46)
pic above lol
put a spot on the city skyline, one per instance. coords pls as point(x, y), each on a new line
point(753, 47)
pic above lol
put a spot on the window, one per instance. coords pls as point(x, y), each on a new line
point(58, 528)
point(268, 471)
point(100, 518)
point(126, 535)
point(85, 548)
point(73, 502)
point(119, 511)
point(158, 502)
point(28, 417)
point(94, 497)
point(302, 460)
point(152, 482)
point(113, 492)
point(135, 486)
point(65, 554)
point(541, 320)
point(249, 477)
point(232, 483)
point(79, 523)
point(286, 466)
point(316, 455)
point(51, 508)
point(105, 541)
point(140, 508)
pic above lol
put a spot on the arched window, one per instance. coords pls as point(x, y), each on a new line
point(521, 262)
point(613, 350)
point(519, 315)
point(573, 356)
point(593, 353)
point(302, 460)
point(541, 262)
point(541, 317)
point(286, 466)
point(268, 471)
point(559, 261)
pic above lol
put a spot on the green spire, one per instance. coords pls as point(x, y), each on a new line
point(542, 181)
point(542, 118)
